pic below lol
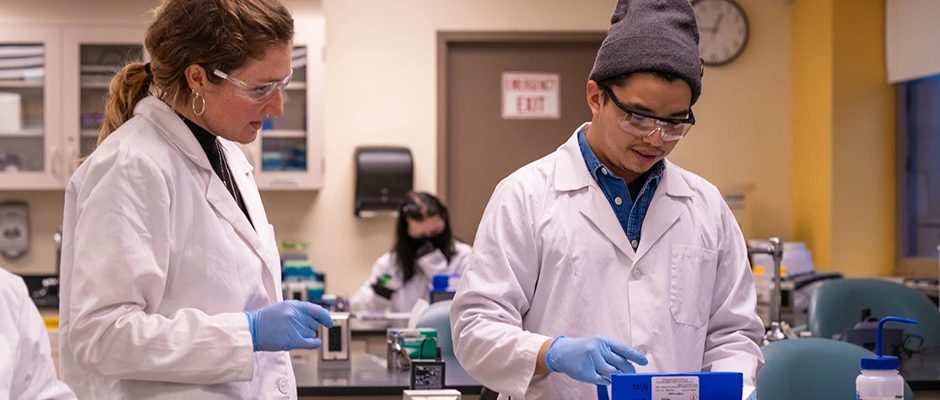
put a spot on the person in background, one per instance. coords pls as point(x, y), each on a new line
point(26, 368)
point(424, 247)
point(170, 269)
point(603, 257)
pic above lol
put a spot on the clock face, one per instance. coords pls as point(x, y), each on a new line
point(723, 30)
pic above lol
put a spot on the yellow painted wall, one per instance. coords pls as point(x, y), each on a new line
point(863, 142)
point(811, 82)
point(843, 136)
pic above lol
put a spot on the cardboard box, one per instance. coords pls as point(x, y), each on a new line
point(11, 112)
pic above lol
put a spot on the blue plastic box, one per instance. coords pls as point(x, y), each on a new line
point(691, 386)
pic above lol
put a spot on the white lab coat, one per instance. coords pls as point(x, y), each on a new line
point(418, 287)
point(550, 258)
point(26, 368)
point(159, 265)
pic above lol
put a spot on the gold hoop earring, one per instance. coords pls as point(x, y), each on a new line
point(196, 96)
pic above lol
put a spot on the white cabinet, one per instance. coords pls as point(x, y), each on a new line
point(30, 108)
point(288, 154)
point(54, 84)
point(93, 56)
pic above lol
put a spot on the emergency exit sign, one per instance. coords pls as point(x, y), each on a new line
point(531, 95)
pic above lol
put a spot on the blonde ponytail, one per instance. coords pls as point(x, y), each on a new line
point(130, 85)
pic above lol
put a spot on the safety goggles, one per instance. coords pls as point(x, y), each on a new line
point(642, 125)
point(256, 93)
point(415, 212)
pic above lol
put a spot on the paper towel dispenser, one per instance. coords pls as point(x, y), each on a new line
point(383, 175)
point(14, 229)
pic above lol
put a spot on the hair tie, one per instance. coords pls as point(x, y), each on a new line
point(147, 69)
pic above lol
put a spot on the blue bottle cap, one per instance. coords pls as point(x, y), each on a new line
point(884, 363)
point(881, 362)
point(441, 282)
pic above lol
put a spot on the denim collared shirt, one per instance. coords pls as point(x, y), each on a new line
point(630, 212)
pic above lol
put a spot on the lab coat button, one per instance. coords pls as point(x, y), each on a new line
point(637, 273)
point(641, 350)
point(618, 201)
point(282, 385)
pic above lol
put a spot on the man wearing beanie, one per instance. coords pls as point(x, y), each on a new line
point(603, 257)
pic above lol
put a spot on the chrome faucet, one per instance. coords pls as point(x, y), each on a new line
point(779, 329)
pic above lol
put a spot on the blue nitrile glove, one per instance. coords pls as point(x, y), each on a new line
point(591, 359)
point(287, 325)
point(753, 396)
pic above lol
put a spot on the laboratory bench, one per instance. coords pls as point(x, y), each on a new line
point(367, 376)
point(369, 335)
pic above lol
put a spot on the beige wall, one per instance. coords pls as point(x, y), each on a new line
point(385, 51)
point(742, 131)
point(381, 88)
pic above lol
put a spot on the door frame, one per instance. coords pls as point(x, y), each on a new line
point(447, 38)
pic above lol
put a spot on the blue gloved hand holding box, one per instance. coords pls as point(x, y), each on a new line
point(591, 359)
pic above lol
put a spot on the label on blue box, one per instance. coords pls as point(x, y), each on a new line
point(686, 386)
point(674, 387)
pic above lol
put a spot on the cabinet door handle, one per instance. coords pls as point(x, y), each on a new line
point(292, 182)
point(54, 161)
point(71, 163)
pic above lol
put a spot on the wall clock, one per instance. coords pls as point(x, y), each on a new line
point(723, 30)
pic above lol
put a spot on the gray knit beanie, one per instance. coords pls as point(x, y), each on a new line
point(651, 36)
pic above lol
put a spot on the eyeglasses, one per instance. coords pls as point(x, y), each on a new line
point(643, 125)
point(256, 93)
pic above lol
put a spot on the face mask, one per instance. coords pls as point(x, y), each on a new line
point(416, 244)
point(432, 264)
point(439, 241)
point(435, 242)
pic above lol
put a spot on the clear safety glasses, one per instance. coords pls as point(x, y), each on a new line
point(256, 93)
point(643, 125)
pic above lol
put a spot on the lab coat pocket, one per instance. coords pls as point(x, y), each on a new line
point(693, 272)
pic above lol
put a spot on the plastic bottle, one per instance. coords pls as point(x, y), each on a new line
point(880, 379)
point(763, 283)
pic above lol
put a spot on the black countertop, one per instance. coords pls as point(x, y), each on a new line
point(921, 370)
point(367, 376)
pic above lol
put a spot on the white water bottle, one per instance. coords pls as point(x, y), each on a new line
point(880, 379)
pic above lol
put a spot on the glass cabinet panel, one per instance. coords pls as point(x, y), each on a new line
point(22, 107)
point(288, 153)
point(98, 64)
point(284, 139)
